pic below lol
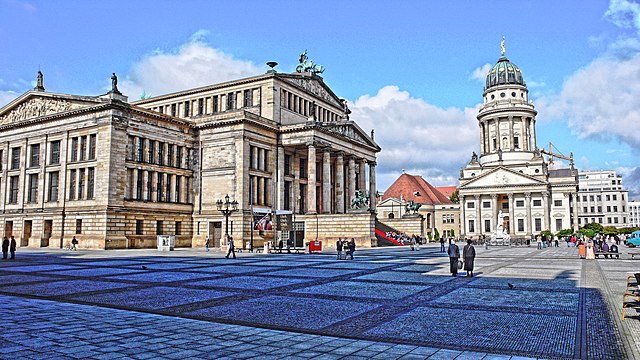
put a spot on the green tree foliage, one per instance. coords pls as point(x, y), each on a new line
point(436, 234)
point(565, 232)
point(455, 197)
point(595, 227)
point(610, 230)
point(546, 233)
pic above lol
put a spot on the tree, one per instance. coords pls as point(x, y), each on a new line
point(565, 232)
point(595, 227)
point(455, 197)
point(610, 230)
point(436, 234)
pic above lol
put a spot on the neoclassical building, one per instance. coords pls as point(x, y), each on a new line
point(116, 174)
point(510, 175)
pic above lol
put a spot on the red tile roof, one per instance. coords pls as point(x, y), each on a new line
point(447, 190)
point(414, 187)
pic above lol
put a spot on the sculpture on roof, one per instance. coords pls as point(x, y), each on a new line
point(474, 157)
point(502, 46)
point(307, 65)
point(40, 82)
point(114, 84)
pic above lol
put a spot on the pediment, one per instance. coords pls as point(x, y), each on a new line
point(316, 87)
point(33, 104)
point(350, 130)
point(502, 177)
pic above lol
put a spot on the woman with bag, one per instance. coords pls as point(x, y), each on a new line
point(454, 256)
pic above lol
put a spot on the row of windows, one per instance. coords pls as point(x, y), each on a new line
point(159, 227)
point(156, 152)
point(258, 158)
point(259, 190)
point(613, 197)
point(81, 186)
point(505, 205)
point(159, 187)
point(82, 148)
point(610, 220)
point(305, 107)
point(537, 225)
point(209, 105)
point(599, 208)
point(82, 183)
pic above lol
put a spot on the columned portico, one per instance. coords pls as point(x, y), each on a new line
point(339, 188)
point(372, 185)
point(311, 179)
point(361, 176)
point(512, 221)
point(478, 227)
point(545, 205)
point(326, 180)
point(527, 204)
point(352, 179)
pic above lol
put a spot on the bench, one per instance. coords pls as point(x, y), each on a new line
point(606, 254)
point(631, 298)
point(633, 254)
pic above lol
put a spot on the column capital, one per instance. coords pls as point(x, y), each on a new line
point(326, 149)
point(527, 195)
point(545, 194)
point(372, 163)
point(510, 195)
point(476, 196)
point(566, 195)
point(494, 196)
point(340, 153)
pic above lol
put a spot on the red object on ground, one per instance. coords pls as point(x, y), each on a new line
point(315, 246)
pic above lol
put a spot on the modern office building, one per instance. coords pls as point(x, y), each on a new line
point(602, 199)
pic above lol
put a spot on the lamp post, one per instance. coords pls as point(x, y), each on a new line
point(226, 208)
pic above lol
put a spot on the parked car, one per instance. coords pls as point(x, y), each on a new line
point(633, 242)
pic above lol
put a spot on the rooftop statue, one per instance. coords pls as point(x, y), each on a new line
point(502, 46)
point(40, 82)
point(114, 84)
point(307, 65)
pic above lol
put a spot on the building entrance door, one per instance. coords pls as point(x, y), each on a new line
point(505, 225)
point(215, 232)
point(8, 229)
point(26, 234)
point(46, 233)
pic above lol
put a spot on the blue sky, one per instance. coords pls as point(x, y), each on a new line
point(412, 70)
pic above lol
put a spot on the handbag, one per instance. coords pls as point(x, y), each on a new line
point(459, 264)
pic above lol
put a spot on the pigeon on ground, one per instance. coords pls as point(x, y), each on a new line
point(144, 267)
point(511, 286)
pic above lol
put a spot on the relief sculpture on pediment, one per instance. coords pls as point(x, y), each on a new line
point(35, 108)
point(347, 131)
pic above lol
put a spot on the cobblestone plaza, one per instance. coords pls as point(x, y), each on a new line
point(386, 304)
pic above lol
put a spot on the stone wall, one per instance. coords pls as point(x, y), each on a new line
point(409, 226)
point(330, 227)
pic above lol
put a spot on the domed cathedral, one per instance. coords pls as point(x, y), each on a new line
point(509, 188)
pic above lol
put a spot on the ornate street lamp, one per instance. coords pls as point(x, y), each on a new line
point(226, 208)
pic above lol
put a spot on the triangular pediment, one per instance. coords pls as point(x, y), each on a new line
point(315, 86)
point(34, 104)
point(350, 130)
point(502, 177)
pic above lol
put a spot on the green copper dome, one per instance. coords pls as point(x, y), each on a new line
point(504, 72)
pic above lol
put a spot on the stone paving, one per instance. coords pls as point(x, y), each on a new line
point(386, 304)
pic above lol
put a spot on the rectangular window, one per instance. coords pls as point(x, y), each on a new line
point(15, 158)
point(170, 155)
point(13, 189)
point(608, 197)
point(557, 203)
point(248, 98)
point(167, 196)
point(83, 148)
point(505, 205)
point(538, 225)
point(74, 149)
point(160, 153)
point(520, 225)
point(54, 180)
point(231, 101)
point(303, 168)
point(584, 210)
point(81, 184)
point(590, 197)
point(287, 164)
point(471, 205)
point(139, 226)
point(78, 226)
point(91, 181)
point(615, 197)
point(160, 186)
point(486, 204)
point(593, 209)
point(151, 151)
point(599, 209)
point(519, 203)
point(139, 186)
point(615, 220)
point(54, 154)
point(92, 146)
point(558, 225)
point(159, 227)
point(615, 208)
point(140, 149)
point(178, 228)
point(178, 184)
point(608, 220)
point(173, 109)
point(186, 109)
point(32, 195)
point(200, 106)
point(287, 195)
point(472, 227)
point(487, 225)
point(179, 156)
point(516, 142)
point(537, 202)
point(161, 109)
point(215, 104)
point(149, 185)
point(72, 184)
point(34, 160)
point(584, 198)
point(599, 197)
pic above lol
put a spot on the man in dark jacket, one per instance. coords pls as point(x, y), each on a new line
point(454, 256)
point(469, 254)
point(352, 247)
point(12, 247)
point(5, 247)
point(339, 248)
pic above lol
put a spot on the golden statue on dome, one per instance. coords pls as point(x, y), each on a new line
point(502, 46)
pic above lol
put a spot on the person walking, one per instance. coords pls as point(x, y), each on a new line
point(469, 255)
point(339, 248)
point(441, 243)
point(74, 244)
point(12, 247)
point(206, 244)
point(5, 247)
point(454, 256)
point(352, 247)
point(539, 242)
point(232, 247)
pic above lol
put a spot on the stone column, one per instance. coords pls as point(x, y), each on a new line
point(165, 153)
point(532, 124)
point(361, 176)
point(478, 214)
point(165, 180)
point(498, 137)
point(174, 190)
point(280, 180)
point(145, 183)
point(261, 198)
point(295, 191)
point(527, 203)
point(463, 220)
point(254, 157)
point(574, 224)
point(494, 205)
point(352, 180)
point(512, 220)
point(254, 187)
point(482, 137)
point(339, 186)
point(134, 184)
point(525, 136)
point(545, 204)
point(372, 186)
point(326, 181)
point(311, 179)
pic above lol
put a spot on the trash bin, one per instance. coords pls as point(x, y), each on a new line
point(315, 246)
point(306, 248)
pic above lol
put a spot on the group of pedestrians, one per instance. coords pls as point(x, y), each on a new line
point(8, 246)
point(468, 255)
point(345, 248)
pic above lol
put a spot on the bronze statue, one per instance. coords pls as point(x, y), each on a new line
point(360, 200)
point(474, 157)
point(40, 82)
point(307, 65)
point(114, 84)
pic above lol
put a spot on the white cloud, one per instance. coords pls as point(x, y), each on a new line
point(630, 180)
point(480, 73)
point(416, 136)
point(6, 97)
point(624, 13)
point(193, 64)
